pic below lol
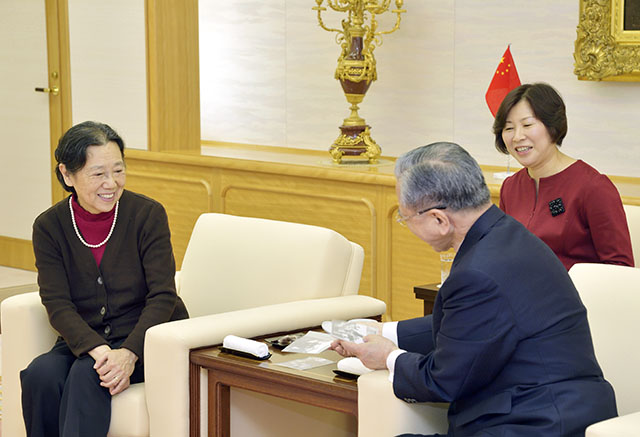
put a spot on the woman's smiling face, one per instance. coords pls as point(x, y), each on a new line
point(527, 138)
point(100, 182)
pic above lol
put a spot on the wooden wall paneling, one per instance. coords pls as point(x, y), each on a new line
point(629, 189)
point(404, 262)
point(387, 204)
point(216, 186)
point(173, 78)
point(17, 253)
point(349, 209)
point(359, 207)
point(184, 191)
point(59, 69)
point(413, 262)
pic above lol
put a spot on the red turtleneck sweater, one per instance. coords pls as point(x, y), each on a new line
point(94, 228)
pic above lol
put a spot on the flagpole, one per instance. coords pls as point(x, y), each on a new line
point(509, 154)
point(504, 80)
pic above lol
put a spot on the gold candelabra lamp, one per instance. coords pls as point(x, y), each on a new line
point(357, 69)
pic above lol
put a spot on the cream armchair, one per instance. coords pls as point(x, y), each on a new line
point(248, 277)
point(26, 333)
point(382, 414)
point(611, 295)
point(242, 276)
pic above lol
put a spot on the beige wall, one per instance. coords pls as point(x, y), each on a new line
point(267, 78)
point(108, 66)
point(107, 48)
point(25, 181)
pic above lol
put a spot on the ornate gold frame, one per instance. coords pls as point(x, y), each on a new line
point(603, 49)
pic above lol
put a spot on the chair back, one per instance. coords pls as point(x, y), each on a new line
point(611, 294)
point(633, 221)
point(233, 263)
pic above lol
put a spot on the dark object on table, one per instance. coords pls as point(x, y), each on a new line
point(284, 340)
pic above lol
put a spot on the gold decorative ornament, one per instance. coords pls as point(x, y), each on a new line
point(357, 69)
point(604, 49)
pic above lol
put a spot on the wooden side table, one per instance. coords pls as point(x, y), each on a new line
point(428, 294)
point(318, 386)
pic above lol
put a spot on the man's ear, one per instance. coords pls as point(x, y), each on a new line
point(442, 219)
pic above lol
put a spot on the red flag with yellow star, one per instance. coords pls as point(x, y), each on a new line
point(504, 80)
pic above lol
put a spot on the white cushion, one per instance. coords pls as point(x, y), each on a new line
point(240, 262)
point(611, 295)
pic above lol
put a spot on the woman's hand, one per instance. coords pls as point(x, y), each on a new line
point(114, 368)
point(98, 351)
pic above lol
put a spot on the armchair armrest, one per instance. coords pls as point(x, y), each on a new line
point(177, 279)
point(623, 426)
point(26, 333)
point(167, 347)
point(381, 413)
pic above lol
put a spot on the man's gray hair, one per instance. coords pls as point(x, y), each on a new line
point(440, 174)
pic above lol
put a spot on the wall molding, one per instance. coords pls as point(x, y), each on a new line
point(17, 253)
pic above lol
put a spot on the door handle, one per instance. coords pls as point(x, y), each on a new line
point(53, 90)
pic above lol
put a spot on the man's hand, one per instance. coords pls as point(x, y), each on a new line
point(373, 352)
point(114, 368)
point(371, 323)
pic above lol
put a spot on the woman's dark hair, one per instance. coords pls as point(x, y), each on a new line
point(546, 104)
point(72, 147)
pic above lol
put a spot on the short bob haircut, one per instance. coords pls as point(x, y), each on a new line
point(443, 175)
point(72, 147)
point(546, 104)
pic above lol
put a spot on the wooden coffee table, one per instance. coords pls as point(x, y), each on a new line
point(319, 386)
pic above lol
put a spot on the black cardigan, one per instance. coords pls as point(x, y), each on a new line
point(132, 289)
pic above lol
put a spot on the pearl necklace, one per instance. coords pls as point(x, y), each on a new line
point(75, 227)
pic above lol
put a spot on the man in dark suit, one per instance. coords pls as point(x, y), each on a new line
point(508, 343)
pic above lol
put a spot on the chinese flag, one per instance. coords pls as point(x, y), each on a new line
point(504, 80)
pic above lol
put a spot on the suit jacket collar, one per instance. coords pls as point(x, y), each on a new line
point(479, 229)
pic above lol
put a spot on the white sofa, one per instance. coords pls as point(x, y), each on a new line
point(241, 276)
point(611, 295)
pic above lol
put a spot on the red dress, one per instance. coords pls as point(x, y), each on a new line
point(590, 225)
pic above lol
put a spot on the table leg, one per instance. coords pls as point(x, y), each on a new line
point(194, 400)
point(219, 407)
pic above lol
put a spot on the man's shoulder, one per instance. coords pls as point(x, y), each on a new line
point(491, 225)
point(509, 244)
